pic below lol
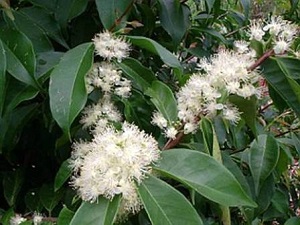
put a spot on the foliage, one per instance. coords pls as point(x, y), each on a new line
point(234, 164)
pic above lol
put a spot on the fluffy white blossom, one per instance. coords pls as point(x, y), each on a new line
point(112, 162)
point(281, 46)
point(206, 92)
point(241, 46)
point(37, 219)
point(171, 132)
point(109, 46)
point(256, 30)
point(17, 219)
point(107, 77)
point(100, 114)
point(159, 120)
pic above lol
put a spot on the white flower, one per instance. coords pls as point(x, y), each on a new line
point(281, 46)
point(159, 120)
point(189, 128)
point(17, 219)
point(241, 46)
point(109, 46)
point(96, 114)
point(37, 219)
point(123, 88)
point(231, 113)
point(171, 132)
point(256, 30)
point(275, 26)
point(111, 162)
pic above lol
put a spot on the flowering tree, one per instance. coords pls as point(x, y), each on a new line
point(158, 112)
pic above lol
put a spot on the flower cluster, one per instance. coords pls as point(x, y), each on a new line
point(111, 163)
point(17, 219)
point(206, 92)
point(109, 78)
point(109, 46)
point(282, 32)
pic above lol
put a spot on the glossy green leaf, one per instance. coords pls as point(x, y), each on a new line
point(163, 99)
point(174, 18)
point(246, 7)
point(29, 27)
point(263, 157)
point(205, 175)
point(248, 108)
point(2, 76)
point(277, 73)
point(113, 14)
point(12, 184)
point(49, 198)
point(67, 86)
point(209, 5)
point(293, 221)
point(167, 57)
point(165, 205)
point(65, 216)
point(62, 175)
point(32, 200)
point(213, 33)
point(18, 92)
point(11, 125)
point(140, 75)
point(46, 22)
point(101, 213)
point(20, 56)
point(207, 133)
point(5, 218)
point(66, 10)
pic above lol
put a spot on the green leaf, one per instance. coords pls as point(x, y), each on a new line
point(277, 73)
point(5, 218)
point(248, 108)
point(12, 184)
point(65, 216)
point(165, 205)
point(263, 157)
point(20, 55)
point(29, 27)
point(293, 221)
point(2, 77)
point(46, 22)
point(101, 213)
point(62, 175)
point(246, 7)
point(49, 197)
point(18, 92)
point(209, 5)
point(207, 133)
point(174, 18)
point(167, 57)
point(67, 86)
point(66, 10)
point(113, 13)
point(32, 200)
point(213, 33)
point(140, 75)
point(163, 99)
point(205, 175)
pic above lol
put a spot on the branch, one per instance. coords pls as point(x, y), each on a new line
point(264, 57)
point(173, 142)
point(118, 21)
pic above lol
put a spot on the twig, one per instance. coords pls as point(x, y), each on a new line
point(118, 21)
point(286, 132)
point(173, 142)
point(264, 57)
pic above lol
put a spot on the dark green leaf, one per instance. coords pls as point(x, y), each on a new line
point(65, 216)
point(45, 22)
point(204, 174)
point(140, 75)
point(279, 77)
point(174, 18)
point(293, 221)
point(152, 46)
point(67, 86)
point(207, 133)
point(5, 219)
point(32, 200)
point(264, 154)
point(248, 108)
point(2, 77)
point(213, 33)
point(164, 100)
point(20, 55)
point(62, 175)
point(18, 92)
point(101, 213)
point(114, 13)
point(29, 27)
point(49, 197)
point(12, 184)
point(246, 7)
point(209, 5)
point(165, 205)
